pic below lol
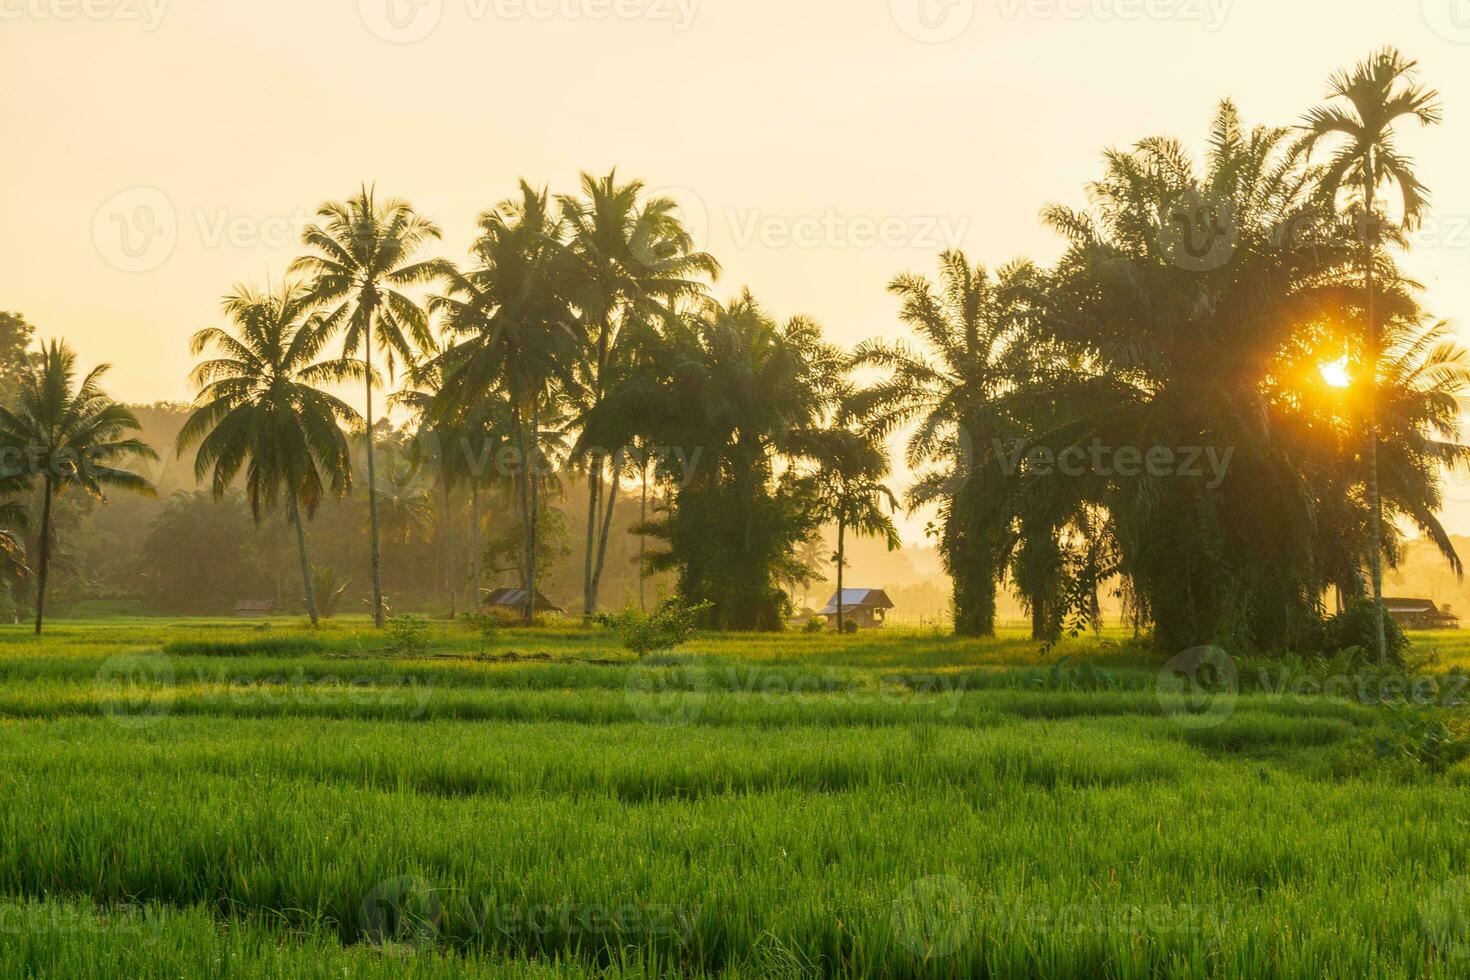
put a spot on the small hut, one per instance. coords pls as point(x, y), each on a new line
point(255, 608)
point(1421, 614)
point(865, 607)
point(515, 600)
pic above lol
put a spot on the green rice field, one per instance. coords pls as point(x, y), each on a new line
point(194, 798)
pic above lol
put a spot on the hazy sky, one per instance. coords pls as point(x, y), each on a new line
point(158, 151)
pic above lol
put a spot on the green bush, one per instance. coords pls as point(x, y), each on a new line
point(814, 626)
point(1355, 627)
point(408, 635)
point(671, 624)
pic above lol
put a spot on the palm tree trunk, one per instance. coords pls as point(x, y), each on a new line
point(306, 585)
point(533, 517)
point(451, 580)
point(607, 519)
point(841, 557)
point(1375, 498)
point(594, 497)
point(643, 543)
point(528, 524)
point(474, 597)
point(372, 473)
point(43, 570)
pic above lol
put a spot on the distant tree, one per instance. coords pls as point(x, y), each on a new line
point(363, 255)
point(200, 553)
point(260, 408)
point(15, 341)
point(72, 436)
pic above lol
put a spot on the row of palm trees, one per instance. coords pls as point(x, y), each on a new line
point(1192, 309)
point(586, 315)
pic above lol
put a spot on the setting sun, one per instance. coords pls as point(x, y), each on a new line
point(1335, 373)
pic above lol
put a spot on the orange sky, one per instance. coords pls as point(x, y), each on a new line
point(160, 150)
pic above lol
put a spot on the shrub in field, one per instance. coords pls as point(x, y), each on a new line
point(328, 590)
point(408, 635)
point(671, 624)
point(1065, 677)
point(814, 626)
point(1356, 627)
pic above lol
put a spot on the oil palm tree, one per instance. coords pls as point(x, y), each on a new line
point(364, 254)
point(1368, 103)
point(74, 437)
point(511, 333)
point(632, 262)
point(260, 407)
point(975, 353)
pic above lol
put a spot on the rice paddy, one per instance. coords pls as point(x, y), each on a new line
point(220, 798)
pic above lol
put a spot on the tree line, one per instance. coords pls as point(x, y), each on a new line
point(1245, 311)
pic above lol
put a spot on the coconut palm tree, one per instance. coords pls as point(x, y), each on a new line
point(851, 493)
point(633, 261)
point(1368, 103)
point(511, 331)
point(363, 256)
point(259, 407)
point(73, 436)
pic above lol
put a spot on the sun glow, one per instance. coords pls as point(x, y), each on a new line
point(1335, 373)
